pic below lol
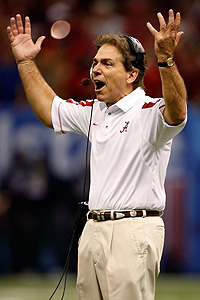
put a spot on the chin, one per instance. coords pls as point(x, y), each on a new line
point(100, 98)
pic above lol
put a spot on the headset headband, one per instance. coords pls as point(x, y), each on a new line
point(137, 50)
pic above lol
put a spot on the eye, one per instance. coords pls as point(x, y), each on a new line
point(108, 63)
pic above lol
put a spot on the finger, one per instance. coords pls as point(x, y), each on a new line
point(178, 20)
point(13, 26)
point(152, 29)
point(161, 21)
point(10, 34)
point(27, 25)
point(19, 24)
point(171, 16)
point(171, 24)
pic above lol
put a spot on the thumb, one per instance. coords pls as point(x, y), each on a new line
point(178, 36)
point(40, 41)
point(151, 29)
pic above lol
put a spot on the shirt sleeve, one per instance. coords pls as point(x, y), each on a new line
point(71, 116)
point(154, 127)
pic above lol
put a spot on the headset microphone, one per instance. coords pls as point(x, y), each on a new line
point(85, 81)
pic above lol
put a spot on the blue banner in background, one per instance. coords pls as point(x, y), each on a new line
point(21, 131)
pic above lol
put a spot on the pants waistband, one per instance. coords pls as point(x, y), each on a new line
point(104, 215)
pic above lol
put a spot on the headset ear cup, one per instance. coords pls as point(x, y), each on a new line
point(139, 61)
point(91, 72)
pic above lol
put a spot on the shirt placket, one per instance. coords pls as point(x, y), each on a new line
point(107, 122)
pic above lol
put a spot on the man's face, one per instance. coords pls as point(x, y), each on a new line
point(112, 82)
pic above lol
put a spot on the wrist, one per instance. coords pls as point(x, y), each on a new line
point(24, 62)
point(164, 56)
point(169, 62)
point(27, 65)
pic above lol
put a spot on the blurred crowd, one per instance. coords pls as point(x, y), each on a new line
point(41, 177)
point(65, 62)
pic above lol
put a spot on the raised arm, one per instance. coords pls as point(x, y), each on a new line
point(39, 93)
point(173, 87)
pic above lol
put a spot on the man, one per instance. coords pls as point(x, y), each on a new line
point(131, 135)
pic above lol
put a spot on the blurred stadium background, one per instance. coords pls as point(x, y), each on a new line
point(41, 174)
point(40, 287)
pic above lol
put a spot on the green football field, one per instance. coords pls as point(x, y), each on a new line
point(40, 287)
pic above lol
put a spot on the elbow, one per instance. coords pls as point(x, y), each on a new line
point(182, 114)
point(182, 117)
point(174, 118)
point(178, 119)
point(47, 124)
point(46, 120)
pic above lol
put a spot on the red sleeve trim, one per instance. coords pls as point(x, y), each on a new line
point(82, 103)
point(150, 104)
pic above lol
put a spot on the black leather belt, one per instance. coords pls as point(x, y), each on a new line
point(104, 215)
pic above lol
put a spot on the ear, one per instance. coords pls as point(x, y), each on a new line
point(132, 75)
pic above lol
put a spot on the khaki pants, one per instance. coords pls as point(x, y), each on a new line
point(120, 260)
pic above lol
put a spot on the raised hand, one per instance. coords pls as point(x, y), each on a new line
point(22, 45)
point(168, 37)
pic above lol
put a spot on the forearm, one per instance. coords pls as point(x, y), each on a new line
point(175, 95)
point(38, 92)
point(173, 87)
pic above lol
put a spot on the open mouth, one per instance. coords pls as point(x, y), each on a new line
point(99, 85)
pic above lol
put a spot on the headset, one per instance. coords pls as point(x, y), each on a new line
point(137, 50)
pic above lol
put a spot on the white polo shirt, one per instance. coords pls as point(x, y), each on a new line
point(130, 148)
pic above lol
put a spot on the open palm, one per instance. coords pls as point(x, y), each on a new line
point(167, 38)
point(21, 41)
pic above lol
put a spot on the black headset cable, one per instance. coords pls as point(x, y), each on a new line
point(79, 215)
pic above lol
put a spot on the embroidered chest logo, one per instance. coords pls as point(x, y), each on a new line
point(125, 127)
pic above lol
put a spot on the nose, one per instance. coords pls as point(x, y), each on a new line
point(96, 69)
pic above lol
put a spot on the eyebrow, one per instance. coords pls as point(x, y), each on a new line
point(103, 60)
